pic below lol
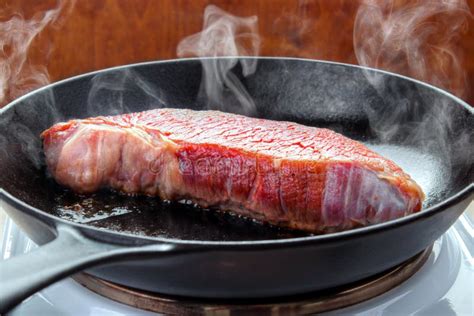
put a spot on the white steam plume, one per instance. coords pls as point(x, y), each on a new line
point(110, 89)
point(17, 75)
point(419, 39)
point(416, 38)
point(224, 34)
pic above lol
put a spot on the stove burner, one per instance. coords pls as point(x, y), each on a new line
point(303, 304)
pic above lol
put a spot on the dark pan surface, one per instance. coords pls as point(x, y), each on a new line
point(147, 216)
point(328, 95)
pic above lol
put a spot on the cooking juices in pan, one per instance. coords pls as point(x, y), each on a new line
point(150, 216)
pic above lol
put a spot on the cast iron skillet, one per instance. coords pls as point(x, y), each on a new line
point(173, 248)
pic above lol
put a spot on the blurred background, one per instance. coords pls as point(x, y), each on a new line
point(45, 41)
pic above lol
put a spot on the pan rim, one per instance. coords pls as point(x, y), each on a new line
point(298, 241)
point(164, 61)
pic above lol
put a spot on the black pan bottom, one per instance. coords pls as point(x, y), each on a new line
point(301, 305)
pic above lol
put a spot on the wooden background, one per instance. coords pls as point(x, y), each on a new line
point(96, 34)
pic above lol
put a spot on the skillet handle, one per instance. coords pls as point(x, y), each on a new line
point(70, 252)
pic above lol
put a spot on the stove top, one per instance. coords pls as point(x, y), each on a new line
point(443, 285)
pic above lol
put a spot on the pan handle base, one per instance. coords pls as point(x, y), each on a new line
point(70, 252)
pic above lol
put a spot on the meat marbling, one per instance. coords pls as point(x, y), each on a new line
point(282, 173)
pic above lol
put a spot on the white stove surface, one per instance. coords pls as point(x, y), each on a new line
point(443, 286)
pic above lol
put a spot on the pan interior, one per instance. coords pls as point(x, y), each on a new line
point(318, 94)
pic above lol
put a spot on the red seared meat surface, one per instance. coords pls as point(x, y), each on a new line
point(281, 173)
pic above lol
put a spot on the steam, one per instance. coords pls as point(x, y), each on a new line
point(17, 75)
point(110, 90)
point(224, 34)
point(417, 38)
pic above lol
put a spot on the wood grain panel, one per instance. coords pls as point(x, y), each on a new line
point(102, 33)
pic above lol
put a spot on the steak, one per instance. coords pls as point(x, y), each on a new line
point(282, 173)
